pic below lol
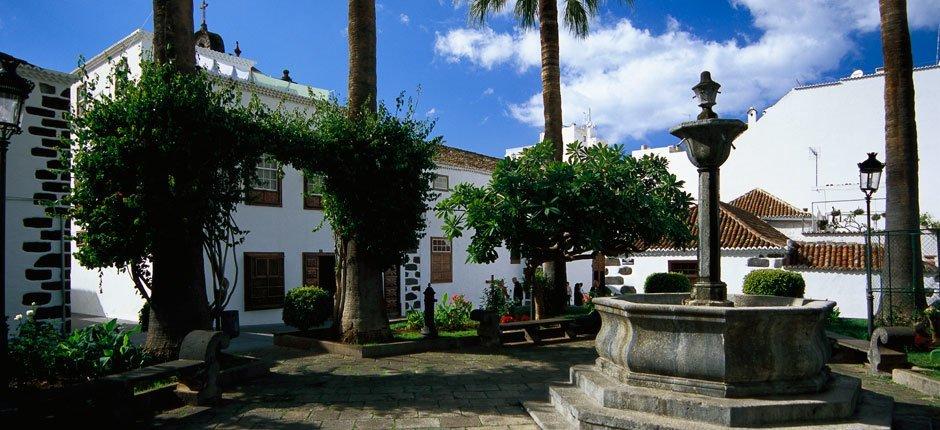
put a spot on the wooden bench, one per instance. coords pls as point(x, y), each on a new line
point(197, 369)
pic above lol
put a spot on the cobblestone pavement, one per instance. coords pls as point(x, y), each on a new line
point(471, 388)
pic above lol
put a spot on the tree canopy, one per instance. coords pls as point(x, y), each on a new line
point(600, 200)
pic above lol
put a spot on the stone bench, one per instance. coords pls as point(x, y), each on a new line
point(197, 368)
point(885, 352)
point(533, 328)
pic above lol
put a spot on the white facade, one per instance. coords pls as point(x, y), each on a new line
point(287, 228)
point(841, 121)
point(37, 263)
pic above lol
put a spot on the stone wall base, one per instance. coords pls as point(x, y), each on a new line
point(593, 400)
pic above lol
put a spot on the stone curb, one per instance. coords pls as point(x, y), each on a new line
point(916, 381)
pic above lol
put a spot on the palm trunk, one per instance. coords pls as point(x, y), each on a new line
point(178, 302)
point(555, 270)
point(906, 293)
point(362, 56)
point(551, 75)
point(361, 315)
point(173, 33)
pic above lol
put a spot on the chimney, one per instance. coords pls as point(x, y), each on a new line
point(751, 116)
point(286, 76)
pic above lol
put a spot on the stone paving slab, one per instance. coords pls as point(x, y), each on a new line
point(473, 388)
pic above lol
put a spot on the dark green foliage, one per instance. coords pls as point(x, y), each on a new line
point(496, 298)
point(167, 149)
point(376, 174)
point(774, 282)
point(307, 307)
point(40, 355)
point(414, 320)
point(667, 283)
point(600, 200)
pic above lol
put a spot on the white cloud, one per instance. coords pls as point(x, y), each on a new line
point(488, 92)
point(637, 82)
point(431, 112)
point(405, 19)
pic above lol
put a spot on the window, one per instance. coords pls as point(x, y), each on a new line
point(441, 261)
point(441, 182)
point(264, 280)
point(266, 191)
point(312, 198)
point(686, 267)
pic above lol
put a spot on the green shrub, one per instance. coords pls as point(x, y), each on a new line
point(414, 320)
point(667, 283)
point(495, 297)
point(307, 307)
point(452, 314)
point(39, 354)
point(774, 282)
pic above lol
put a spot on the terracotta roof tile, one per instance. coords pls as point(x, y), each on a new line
point(834, 256)
point(765, 205)
point(740, 229)
point(451, 156)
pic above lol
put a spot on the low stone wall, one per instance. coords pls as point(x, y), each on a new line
point(916, 381)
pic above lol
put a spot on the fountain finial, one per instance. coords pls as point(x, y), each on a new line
point(706, 91)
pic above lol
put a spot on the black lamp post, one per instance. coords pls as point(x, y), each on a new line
point(869, 179)
point(14, 90)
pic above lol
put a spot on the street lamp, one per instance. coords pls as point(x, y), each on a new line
point(14, 90)
point(706, 91)
point(869, 179)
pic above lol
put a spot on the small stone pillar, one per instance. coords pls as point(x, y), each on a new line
point(429, 331)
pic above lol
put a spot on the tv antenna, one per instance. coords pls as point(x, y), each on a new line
point(815, 152)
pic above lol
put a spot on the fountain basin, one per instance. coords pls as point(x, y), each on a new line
point(764, 345)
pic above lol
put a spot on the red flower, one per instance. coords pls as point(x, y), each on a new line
point(506, 319)
point(523, 317)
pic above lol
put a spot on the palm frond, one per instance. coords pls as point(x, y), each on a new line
point(576, 16)
point(526, 11)
point(479, 9)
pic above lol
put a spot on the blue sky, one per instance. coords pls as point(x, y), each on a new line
point(482, 83)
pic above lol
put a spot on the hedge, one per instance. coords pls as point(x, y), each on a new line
point(667, 283)
point(307, 307)
point(774, 282)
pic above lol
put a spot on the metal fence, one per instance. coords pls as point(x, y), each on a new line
point(903, 267)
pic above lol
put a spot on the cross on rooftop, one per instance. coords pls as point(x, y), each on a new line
point(203, 6)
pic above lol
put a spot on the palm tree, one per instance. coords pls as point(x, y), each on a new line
point(578, 14)
point(906, 294)
point(178, 300)
point(359, 311)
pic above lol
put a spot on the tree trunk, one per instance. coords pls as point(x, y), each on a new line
point(904, 272)
point(362, 56)
point(173, 32)
point(555, 270)
point(555, 291)
point(362, 317)
point(551, 75)
point(178, 301)
point(360, 303)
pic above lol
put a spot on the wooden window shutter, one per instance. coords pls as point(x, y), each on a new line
point(311, 267)
point(686, 267)
point(442, 268)
point(269, 186)
point(264, 280)
point(312, 201)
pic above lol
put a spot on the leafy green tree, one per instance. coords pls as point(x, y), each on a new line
point(159, 166)
point(600, 200)
point(577, 17)
point(376, 170)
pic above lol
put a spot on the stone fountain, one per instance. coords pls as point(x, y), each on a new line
point(706, 359)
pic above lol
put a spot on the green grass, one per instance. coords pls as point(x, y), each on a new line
point(401, 332)
point(922, 359)
point(852, 327)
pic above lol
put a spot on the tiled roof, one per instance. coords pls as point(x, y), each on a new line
point(451, 156)
point(765, 205)
point(740, 229)
point(834, 256)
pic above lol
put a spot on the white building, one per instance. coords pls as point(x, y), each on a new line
point(282, 246)
point(37, 258)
